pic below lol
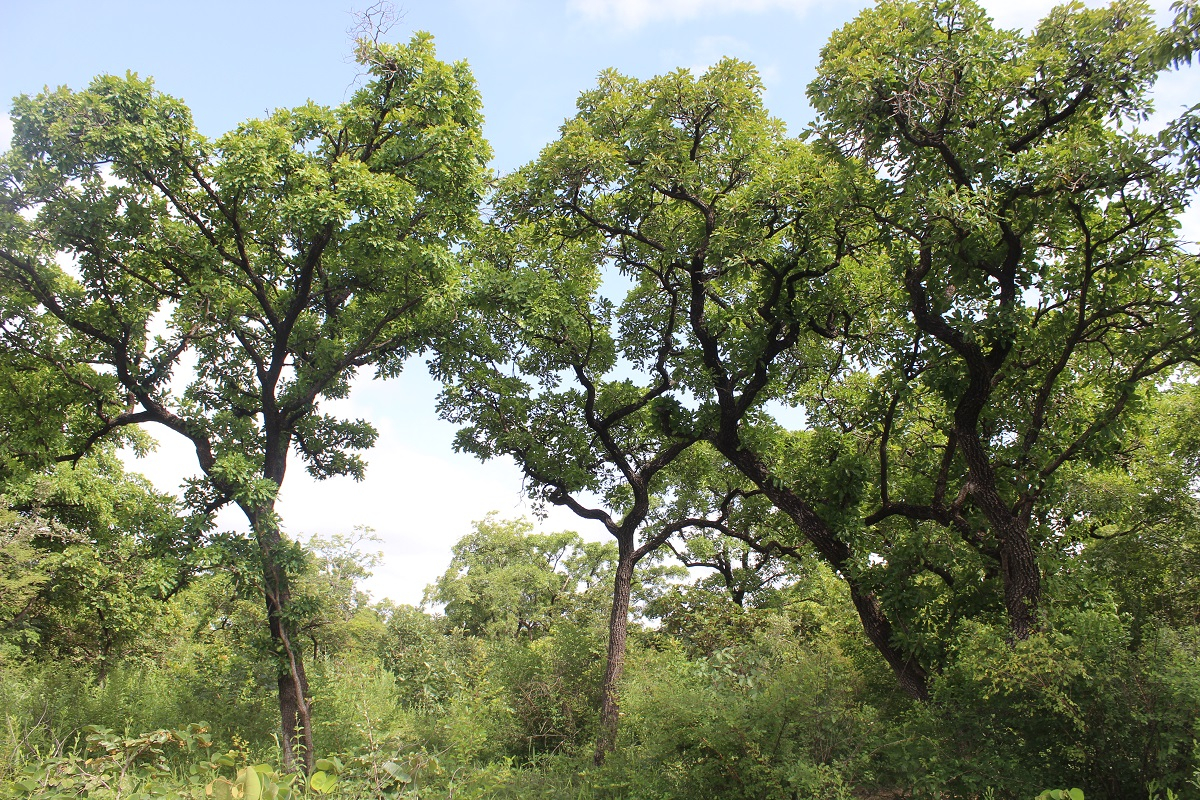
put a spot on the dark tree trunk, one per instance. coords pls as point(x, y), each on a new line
point(1022, 581)
point(294, 701)
point(1019, 571)
point(1018, 562)
point(618, 631)
point(296, 740)
point(911, 676)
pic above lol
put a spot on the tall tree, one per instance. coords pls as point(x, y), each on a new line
point(744, 249)
point(540, 371)
point(980, 306)
point(1031, 237)
point(508, 582)
point(285, 255)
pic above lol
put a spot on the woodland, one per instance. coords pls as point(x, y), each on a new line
point(894, 426)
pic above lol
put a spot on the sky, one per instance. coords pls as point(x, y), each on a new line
point(231, 61)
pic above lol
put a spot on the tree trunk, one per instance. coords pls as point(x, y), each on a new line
point(911, 676)
point(1018, 562)
point(1022, 581)
point(618, 631)
point(296, 740)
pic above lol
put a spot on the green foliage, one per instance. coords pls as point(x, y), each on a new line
point(504, 581)
point(1061, 794)
point(552, 688)
point(1072, 705)
point(329, 607)
point(1039, 285)
point(765, 719)
point(966, 281)
point(88, 557)
point(427, 659)
point(783, 703)
point(284, 257)
point(121, 766)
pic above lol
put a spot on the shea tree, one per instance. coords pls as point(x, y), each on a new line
point(223, 289)
point(543, 368)
point(747, 267)
point(1030, 233)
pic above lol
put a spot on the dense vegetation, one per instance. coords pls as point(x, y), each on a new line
point(969, 570)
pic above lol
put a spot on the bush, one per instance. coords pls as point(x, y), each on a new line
point(1073, 705)
point(552, 686)
point(771, 719)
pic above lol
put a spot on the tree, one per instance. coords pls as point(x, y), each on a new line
point(537, 371)
point(1133, 522)
point(504, 580)
point(286, 256)
point(748, 258)
point(1030, 236)
point(336, 613)
point(723, 523)
point(88, 557)
point(963, 286)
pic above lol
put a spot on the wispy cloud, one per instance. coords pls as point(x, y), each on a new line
point(705, 52)
point(632, 14)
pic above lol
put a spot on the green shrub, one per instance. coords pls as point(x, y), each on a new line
point(552, 686)
point(771, 719)
point(1073, 705)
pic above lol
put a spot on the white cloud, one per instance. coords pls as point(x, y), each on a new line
point(1189, 226)
point(1173, 93)
point(6, 131)
point(1018, 13)
point(703, 53)
point(419, 502)
point(632, 14)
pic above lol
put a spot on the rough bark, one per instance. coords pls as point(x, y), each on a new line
point(294, 701)
point(614, 663)
point(295, 704)
point(1019, 570)
point(1022, 581)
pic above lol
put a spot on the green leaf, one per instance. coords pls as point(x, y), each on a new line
point(322, 782)
point(219, 789)
point(397, 772)
point(251, 785)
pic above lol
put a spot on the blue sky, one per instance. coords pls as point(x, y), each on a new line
point(235, 60)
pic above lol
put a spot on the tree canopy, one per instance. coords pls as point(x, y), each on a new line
point(964, 280)
point(278, 260)
point(916, 389)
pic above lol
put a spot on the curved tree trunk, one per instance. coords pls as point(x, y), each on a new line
point(1019, 570)
point(618, 632)
point(911, 676)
